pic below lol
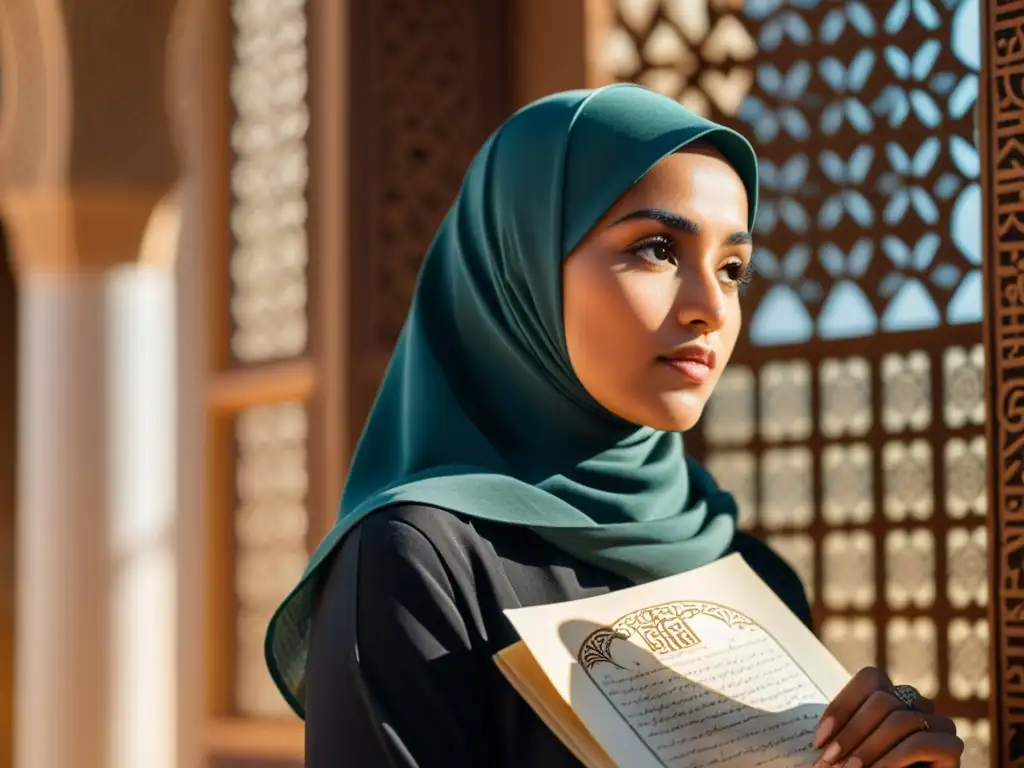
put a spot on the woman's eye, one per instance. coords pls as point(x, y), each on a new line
point(736, 272)
point(656, 253)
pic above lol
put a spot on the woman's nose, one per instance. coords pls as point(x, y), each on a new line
point(701, 300)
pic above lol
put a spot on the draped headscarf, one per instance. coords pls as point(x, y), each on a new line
point(480, 412)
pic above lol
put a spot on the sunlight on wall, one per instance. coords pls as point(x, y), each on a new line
point(141, 379)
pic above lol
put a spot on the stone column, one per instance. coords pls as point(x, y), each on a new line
point(95, 627)
point(62, 623)
point(85, 157)
point(142, 507)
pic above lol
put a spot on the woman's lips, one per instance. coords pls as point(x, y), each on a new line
point(696, 371)
point(694, 361)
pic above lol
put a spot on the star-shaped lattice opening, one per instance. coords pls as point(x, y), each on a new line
point(694, 51)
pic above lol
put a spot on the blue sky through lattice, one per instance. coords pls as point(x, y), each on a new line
point(861, 229)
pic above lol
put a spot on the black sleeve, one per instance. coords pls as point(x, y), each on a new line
point(392, 676)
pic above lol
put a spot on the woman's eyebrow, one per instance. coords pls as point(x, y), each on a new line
point(681, 223)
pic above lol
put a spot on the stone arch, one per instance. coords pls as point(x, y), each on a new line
point(85, 141)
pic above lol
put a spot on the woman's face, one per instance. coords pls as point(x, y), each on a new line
point(651, 296)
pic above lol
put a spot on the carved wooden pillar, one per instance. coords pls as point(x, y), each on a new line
point(1002, 142)
point(85, 157)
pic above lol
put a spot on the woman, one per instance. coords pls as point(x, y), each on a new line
point(574, 312)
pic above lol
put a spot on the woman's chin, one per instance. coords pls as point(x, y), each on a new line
point(673, 411)
point(676, 412)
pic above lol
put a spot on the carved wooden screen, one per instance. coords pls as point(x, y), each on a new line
point(266, 381)
point(270, 325)
point(851, 423)
point(428, 86)
point(350, 126)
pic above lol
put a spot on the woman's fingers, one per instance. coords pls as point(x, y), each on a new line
point(898, 726)
point(867, 726)
point(872, 715)
point(846, 703)
point(935, 749)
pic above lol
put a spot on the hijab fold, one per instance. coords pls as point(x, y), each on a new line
point(480, 412)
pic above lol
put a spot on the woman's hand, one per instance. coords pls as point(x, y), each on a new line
point(868, 727)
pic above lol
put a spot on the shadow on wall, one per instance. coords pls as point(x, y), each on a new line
point(8, 465)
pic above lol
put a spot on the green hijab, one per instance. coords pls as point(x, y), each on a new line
point(480, 412)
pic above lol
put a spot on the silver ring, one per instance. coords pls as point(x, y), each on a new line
point(908, 695)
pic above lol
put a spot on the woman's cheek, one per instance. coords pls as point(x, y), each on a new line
point(649, 302)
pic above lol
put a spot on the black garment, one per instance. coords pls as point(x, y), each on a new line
point(400, 673)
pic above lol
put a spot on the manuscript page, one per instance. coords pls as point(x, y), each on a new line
point(706, 668)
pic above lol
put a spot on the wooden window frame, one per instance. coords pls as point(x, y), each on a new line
point(316, 378)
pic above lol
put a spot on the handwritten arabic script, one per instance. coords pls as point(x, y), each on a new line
point(729, 696)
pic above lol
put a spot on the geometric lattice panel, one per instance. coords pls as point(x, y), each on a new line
point(268, 181)
point(977, 740)
point(271, 523)
point(851, 420)
point(882, 516)
point(862, 114)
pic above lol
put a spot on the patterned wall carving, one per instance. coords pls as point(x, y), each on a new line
point(430, 88)
point(127, 79)
point(851, 424)
point(269, 309)
point(427, 87)
point(271, 524)
point(268, 180)
point(1004, 119)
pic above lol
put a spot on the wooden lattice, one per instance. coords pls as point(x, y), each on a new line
point(850, 424)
